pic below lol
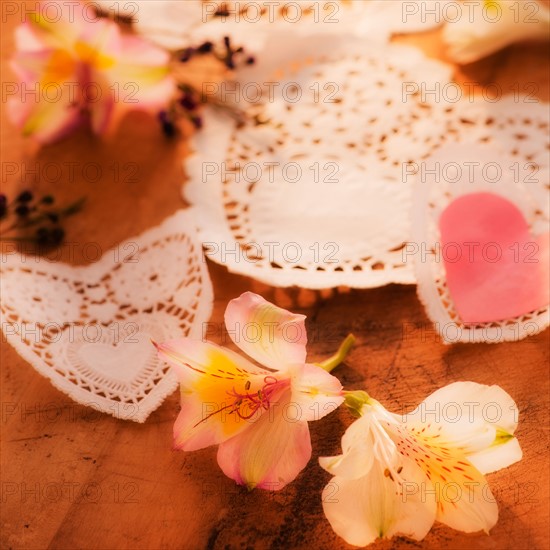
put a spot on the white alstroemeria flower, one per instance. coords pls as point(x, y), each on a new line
point(400, 473)
point(492, 25)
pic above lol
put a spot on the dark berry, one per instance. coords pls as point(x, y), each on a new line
point(205, 48)
point(188, 102)
point(25, 196)
point(187, 54)
point(57, 235)
point(197, 122)
point(22, 210)
point(3, 205)
point(168, 128)
point(251, 60)
point(53, 217)
point(42, 235)
point(47, 199)
point(167, 125)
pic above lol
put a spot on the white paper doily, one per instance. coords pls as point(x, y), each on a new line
point(179, 23)
point(504, 151)
point(315, 196)
point(88, 329)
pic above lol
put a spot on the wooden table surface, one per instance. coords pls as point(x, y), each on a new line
point(76, 479)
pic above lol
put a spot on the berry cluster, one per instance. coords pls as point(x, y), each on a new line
point(230, 56)
point(186, 106)
point(35, 220)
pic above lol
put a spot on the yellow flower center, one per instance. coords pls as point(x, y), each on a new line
point(59, 68)
point(92, 56)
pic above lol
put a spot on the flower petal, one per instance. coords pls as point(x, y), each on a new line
point(269, 334)
point(497, 456)
point(137, 52)
point(209, 377)
point(50, 77)
point(468, 40)
point(190, 431)
point(52, 105)
point(269, 454)
point(57, 33)
point(103, 105)
point(465, 416)
point(27, 40)
point(192, 359)
point(315, 392)
point(46, 123)
point(465, 502)
point(141, 75)
point(361, 510)
point(357, 452)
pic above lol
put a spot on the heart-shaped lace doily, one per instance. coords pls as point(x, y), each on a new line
point(315, 196)
point(505, 153)
point(89, 329)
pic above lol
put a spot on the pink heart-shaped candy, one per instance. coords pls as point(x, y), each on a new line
point(495, 268)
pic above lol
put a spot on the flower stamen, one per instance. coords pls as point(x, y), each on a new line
point(246, 405)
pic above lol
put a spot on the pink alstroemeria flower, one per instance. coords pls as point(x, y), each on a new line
point(82, 68)
point(257, 415)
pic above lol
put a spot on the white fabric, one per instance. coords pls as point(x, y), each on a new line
point(88, 329)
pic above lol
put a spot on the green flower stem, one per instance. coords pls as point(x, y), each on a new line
point(332, 362)
point(355, 400)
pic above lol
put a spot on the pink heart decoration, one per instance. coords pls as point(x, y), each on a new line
point(495, 268)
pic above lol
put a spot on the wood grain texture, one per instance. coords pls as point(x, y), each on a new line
point(74, 479)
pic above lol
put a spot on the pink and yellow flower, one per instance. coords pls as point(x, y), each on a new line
point(257, 413)
point(70, 71)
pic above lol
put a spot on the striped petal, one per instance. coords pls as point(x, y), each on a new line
point(464, 499)
point(465, 415)
point(219, 392)
point(465, 502)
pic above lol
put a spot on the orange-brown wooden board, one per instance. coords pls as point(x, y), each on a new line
point(72, 478)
